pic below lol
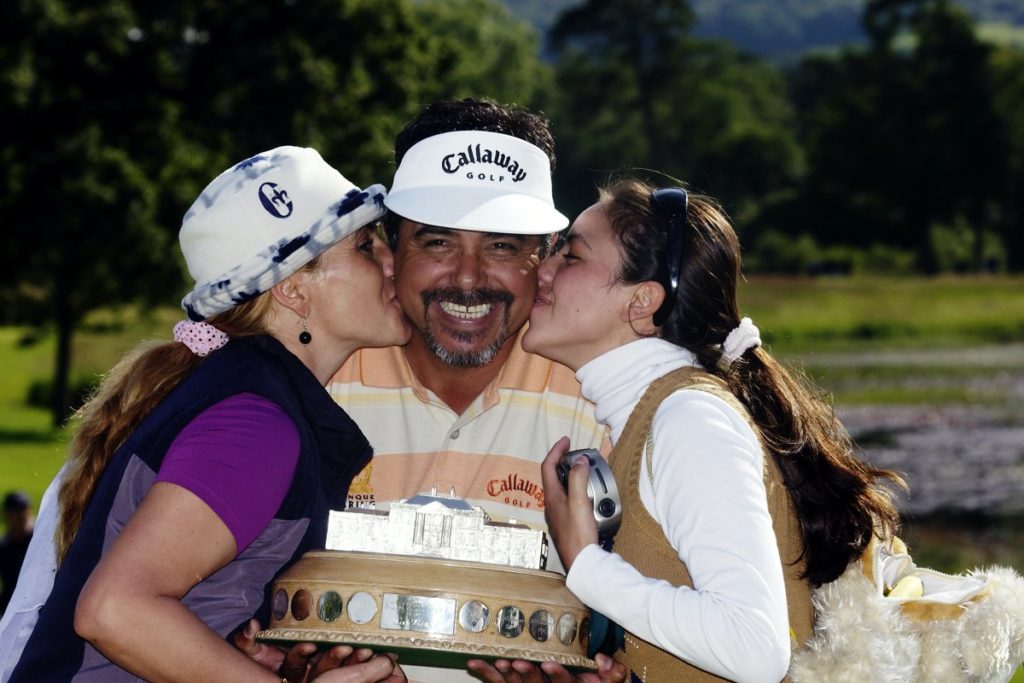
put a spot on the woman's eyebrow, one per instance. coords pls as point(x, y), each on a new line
point(575, 237)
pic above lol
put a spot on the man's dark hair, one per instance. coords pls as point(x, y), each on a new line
point(469, 113)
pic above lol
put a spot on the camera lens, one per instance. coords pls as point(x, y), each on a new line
point(606, 507)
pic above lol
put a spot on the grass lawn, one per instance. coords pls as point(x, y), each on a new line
point(797, 315)
point(31, 449)
point(798, 318)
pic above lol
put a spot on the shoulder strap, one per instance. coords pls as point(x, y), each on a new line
point(687, 378)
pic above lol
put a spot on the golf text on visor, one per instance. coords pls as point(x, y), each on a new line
point(476, 180)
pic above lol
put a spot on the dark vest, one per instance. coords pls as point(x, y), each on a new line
point(641, 541)
point(332, 452)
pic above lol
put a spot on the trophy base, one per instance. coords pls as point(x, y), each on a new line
point(430, 612)
point(423, 652)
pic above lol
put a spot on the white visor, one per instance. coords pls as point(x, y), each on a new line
point(476, 180)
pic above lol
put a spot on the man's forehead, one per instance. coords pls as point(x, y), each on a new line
point(416, 229)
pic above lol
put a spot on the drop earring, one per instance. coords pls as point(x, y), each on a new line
point(305, 337)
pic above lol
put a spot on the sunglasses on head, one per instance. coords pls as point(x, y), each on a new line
point(671, 201)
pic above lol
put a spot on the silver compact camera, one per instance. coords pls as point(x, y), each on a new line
point(601, 489)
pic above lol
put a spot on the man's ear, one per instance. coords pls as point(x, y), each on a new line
point(292, 294)
point(644, 303)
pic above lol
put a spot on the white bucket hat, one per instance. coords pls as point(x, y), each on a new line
point(476, 180)
point(263, 219)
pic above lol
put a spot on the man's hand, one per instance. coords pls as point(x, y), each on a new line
point(519, 671)
point(570, 516)
point(302, 663)
point(362, 666)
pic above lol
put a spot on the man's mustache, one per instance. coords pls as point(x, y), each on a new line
point(473, 297)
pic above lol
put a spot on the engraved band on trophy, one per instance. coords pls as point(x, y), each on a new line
point(435, 580)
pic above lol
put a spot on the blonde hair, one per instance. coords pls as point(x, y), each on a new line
point(128, 393)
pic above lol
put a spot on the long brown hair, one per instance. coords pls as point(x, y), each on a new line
point(127, 394)
point(840, 500)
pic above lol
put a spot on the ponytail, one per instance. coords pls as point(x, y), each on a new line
point(838, 497)
point(126, 395)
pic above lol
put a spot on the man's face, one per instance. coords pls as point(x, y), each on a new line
point(465, 292)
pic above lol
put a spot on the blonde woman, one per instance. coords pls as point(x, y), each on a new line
point(204, 466)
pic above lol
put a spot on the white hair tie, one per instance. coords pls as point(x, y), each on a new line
point(744, 337)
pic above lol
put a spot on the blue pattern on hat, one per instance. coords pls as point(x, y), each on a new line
point(242, 297)
point(290, 248)
point(279, 260)
point(249, 162)
point(245, 171)
point(352, 201)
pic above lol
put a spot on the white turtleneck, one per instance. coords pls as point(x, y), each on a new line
point(708, 496)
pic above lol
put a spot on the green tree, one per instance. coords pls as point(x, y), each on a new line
point(476, 48)
point(637, 38)
point(635, 91)
point(1008, 78)
point(80, 184)
point(344, 76)
point(123, 110)
point(901, 138)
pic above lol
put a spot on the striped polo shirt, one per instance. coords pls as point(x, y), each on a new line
point(490, 454)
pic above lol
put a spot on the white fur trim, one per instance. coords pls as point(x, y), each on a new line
point(859, 635)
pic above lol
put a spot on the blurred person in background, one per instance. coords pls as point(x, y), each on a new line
point(14, 544)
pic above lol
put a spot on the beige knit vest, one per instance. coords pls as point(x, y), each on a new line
point(641, 541)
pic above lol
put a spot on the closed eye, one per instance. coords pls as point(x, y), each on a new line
point(364, 242)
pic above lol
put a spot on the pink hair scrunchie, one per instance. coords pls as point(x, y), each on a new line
point(200, 338)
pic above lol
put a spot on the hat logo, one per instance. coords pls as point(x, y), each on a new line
point(451, 163)
point(275, 201)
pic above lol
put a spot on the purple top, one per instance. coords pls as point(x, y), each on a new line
point(238, 456)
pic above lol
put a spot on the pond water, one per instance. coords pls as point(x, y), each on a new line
point(964, 463)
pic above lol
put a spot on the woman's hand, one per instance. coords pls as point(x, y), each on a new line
point(570, 516)
point(302, 663)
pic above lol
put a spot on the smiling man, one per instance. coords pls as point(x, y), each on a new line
point(462, 406)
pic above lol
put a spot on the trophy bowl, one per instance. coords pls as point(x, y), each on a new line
point(430, 611)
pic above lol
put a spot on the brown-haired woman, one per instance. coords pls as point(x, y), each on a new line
point(205, 466)
point(740, 488)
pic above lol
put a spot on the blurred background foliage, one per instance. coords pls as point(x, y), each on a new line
point(844, 136)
